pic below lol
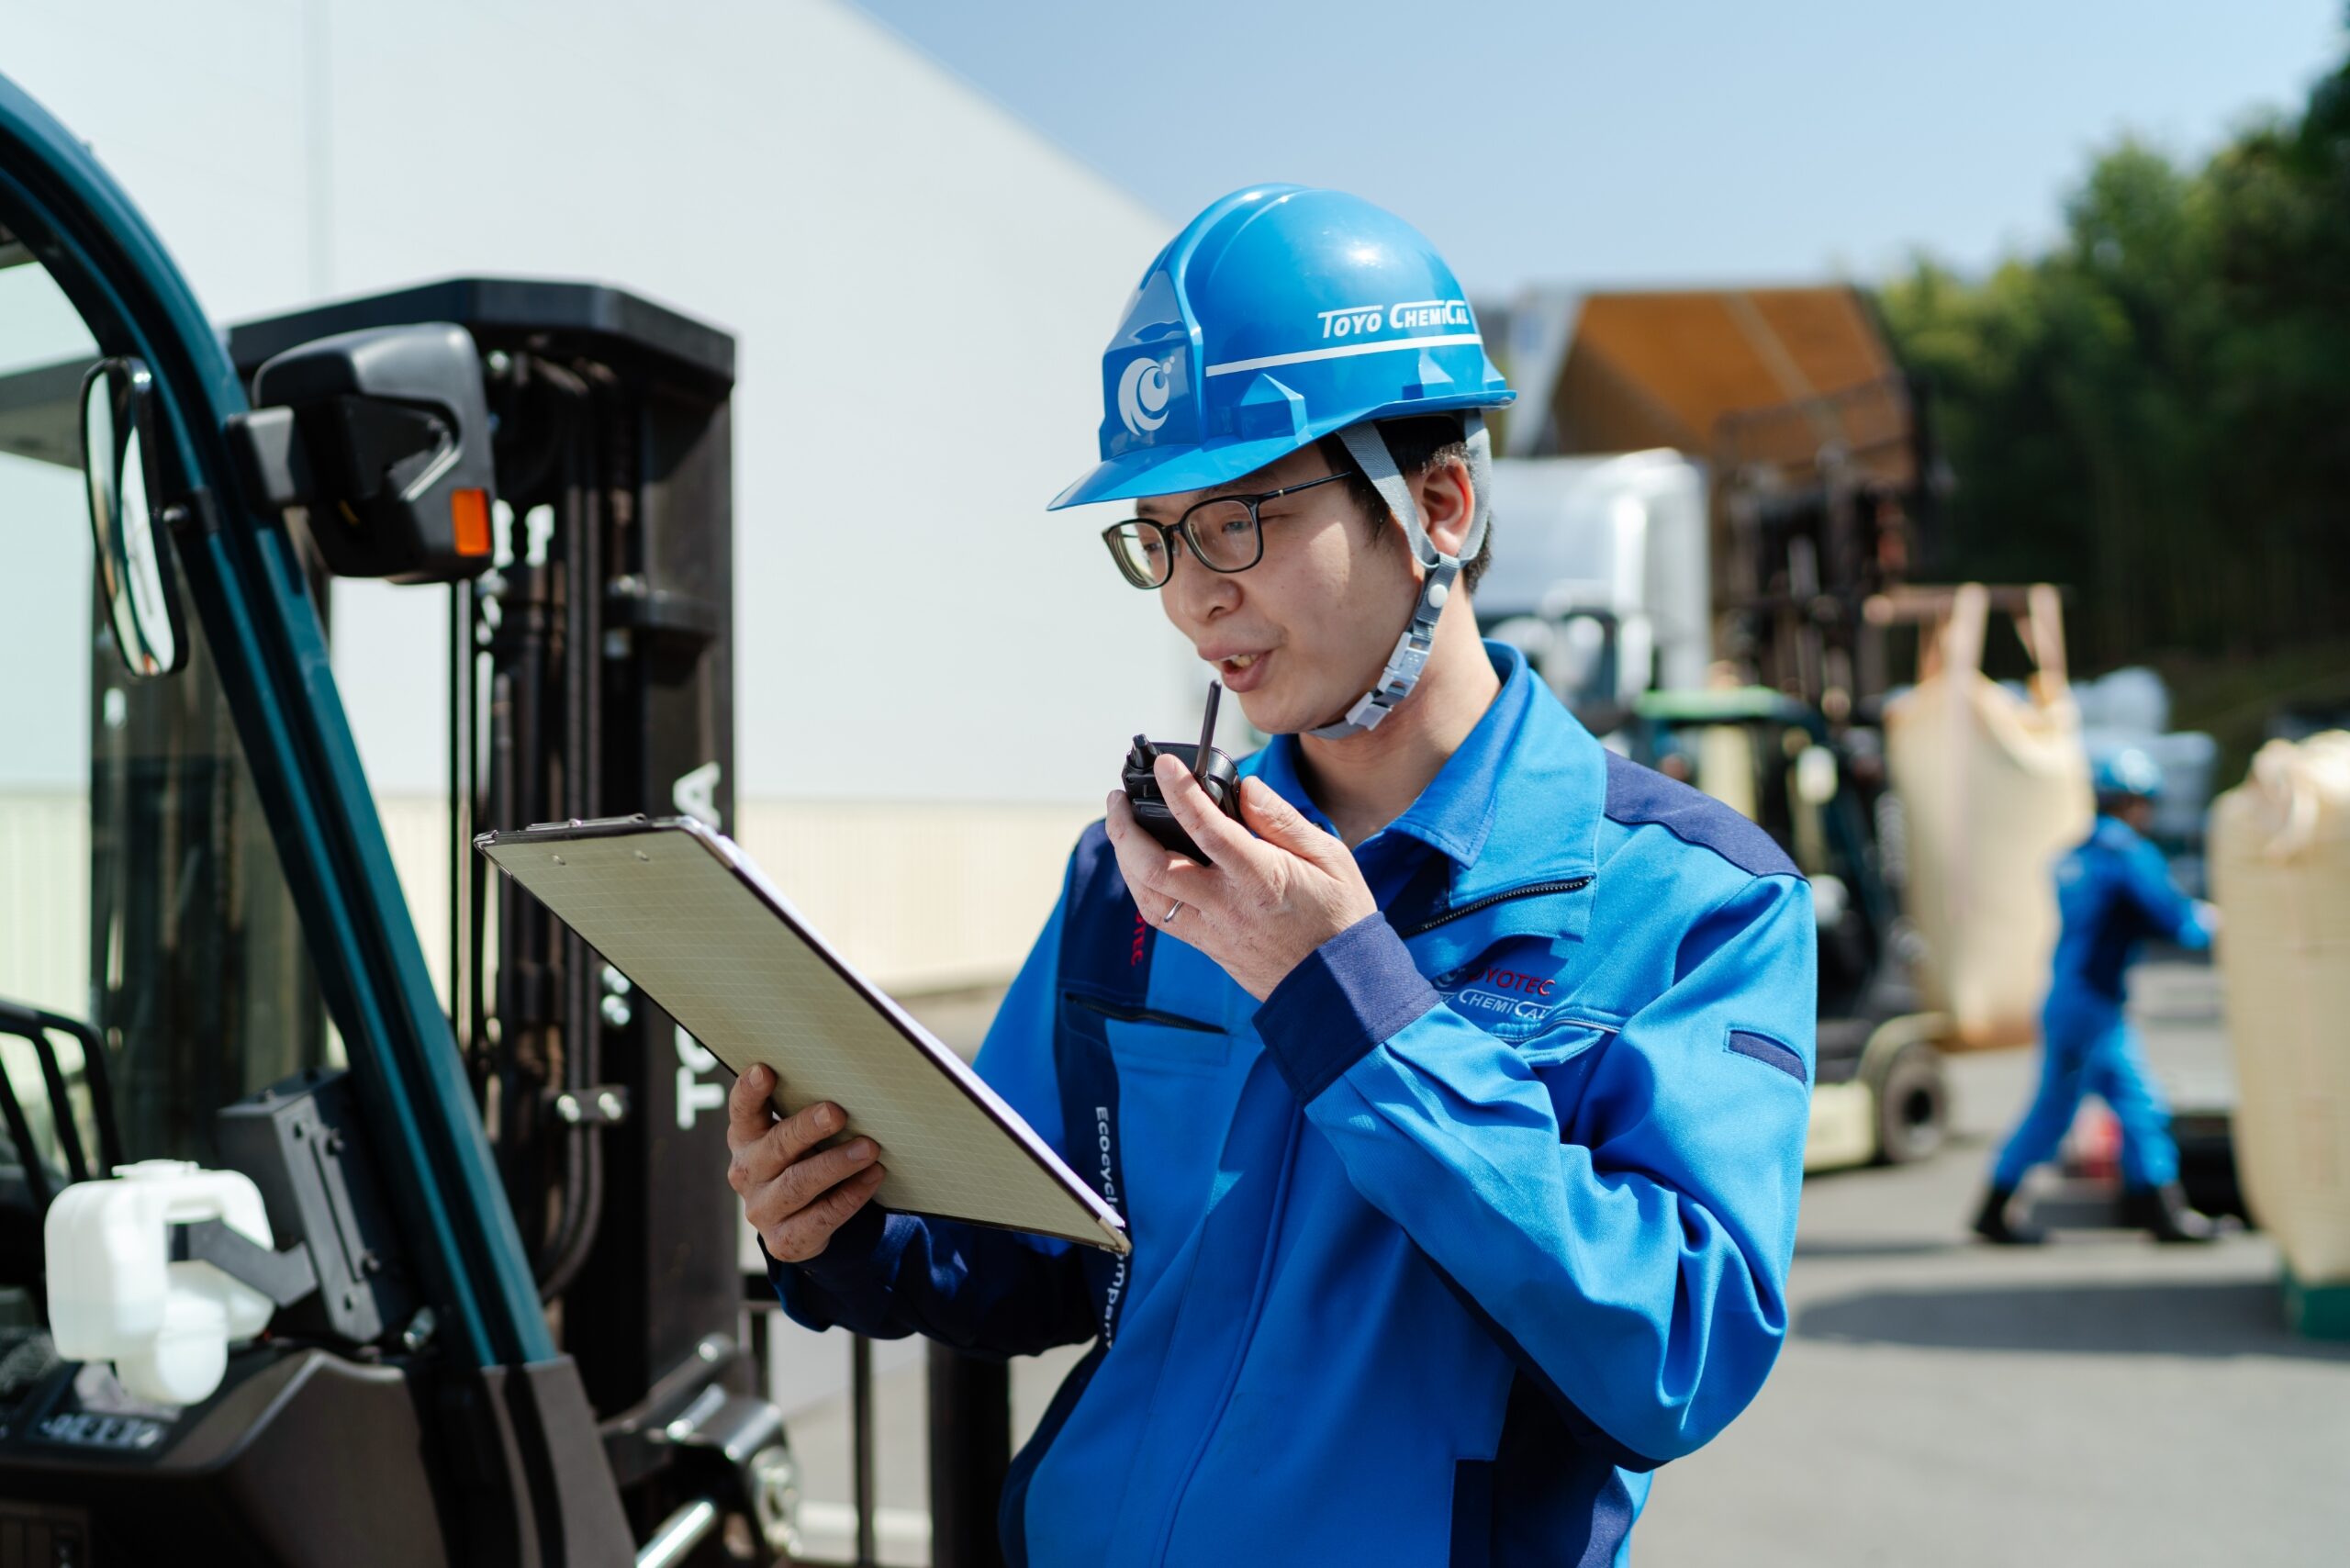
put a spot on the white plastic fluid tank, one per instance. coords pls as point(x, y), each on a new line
point(115, 1294)
point(2280, 874)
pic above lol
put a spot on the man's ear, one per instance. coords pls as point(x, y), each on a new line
point(1447, 502)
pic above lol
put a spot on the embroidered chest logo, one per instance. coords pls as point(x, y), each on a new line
point(1510, 988)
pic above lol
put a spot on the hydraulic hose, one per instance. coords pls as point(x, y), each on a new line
point(580, 1202)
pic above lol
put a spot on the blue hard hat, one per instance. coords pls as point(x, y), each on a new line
point(2128, 772)
point(1280, 315)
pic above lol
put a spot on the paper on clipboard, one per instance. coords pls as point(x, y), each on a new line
point(682, 912)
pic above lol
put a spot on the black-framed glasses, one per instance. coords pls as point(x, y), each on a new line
point(1226, 535)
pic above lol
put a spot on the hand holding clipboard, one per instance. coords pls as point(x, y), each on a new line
point(681, 911)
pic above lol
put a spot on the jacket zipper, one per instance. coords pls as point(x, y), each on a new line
point(1532, 889)
point(1126, 1015)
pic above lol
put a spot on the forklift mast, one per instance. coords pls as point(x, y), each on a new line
point(590, 675)
point(1820, 503)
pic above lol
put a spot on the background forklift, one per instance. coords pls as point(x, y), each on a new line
point(1818, 505)
point(509, 1318)
point(1878, 1094)
point(1712, 582)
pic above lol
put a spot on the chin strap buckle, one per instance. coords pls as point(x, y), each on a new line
point(1403, 664)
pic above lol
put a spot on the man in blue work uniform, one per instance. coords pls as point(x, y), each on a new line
point(1456, 1106)
point(2112, 892)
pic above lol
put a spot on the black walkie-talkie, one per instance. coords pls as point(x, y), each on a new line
point(1215, 771)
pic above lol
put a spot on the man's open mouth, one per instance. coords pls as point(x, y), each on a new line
point(1244, 672)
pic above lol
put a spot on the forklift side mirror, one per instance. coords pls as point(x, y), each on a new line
point(119, 469)
point(383, 436)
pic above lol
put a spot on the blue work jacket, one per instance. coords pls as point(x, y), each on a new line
point(2112, 892)
point(1481, 1216)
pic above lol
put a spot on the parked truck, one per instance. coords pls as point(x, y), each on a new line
point(1601, 576)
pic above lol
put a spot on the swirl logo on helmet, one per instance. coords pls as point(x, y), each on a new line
point(1142, 396)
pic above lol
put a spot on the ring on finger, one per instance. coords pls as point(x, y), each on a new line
point(1172, 910)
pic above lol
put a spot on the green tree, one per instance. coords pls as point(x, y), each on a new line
point(2156, 410)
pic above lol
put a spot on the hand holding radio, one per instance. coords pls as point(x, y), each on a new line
point(1248, 881)
point(1214, 772)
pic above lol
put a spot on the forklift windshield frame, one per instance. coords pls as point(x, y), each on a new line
point(248, 592)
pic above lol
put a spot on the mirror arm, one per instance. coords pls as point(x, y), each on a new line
point(270, 458)
point(284, 1277)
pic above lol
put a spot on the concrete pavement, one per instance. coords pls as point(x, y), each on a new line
point(2102, 1401)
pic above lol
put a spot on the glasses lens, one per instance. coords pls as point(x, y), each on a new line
point(1226, 533)
point(1140, 553)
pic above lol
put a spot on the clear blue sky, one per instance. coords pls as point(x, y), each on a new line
point(1622, 143)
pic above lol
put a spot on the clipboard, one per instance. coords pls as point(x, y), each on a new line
point(681, 911)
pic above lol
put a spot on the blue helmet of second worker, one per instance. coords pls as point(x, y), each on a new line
point(1279, 315)
point(2126, 775)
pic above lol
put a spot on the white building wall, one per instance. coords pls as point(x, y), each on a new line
point(920, 287)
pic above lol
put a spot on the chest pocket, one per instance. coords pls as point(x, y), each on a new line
point(1149, 1040)
point(1521, 991)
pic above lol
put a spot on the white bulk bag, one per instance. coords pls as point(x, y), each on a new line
point(2280, 874)
point(1994, 790)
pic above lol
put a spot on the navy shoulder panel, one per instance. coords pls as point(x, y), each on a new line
point(1637, 795)
point(1094, 860)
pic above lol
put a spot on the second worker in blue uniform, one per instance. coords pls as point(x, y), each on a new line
point(2112, 893)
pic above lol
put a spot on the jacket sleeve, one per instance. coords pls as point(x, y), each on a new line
point(977, 1288)
point(1630, 1251)
point(2169, 912)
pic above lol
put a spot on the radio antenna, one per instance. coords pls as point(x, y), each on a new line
point(1207, 734)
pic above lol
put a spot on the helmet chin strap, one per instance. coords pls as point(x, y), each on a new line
point(1368, 447)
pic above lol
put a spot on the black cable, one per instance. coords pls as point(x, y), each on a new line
point(478, 740)
point(100, 1079)
point(60, 1107)
point(20, 1133)
point(561, 1259)
point(582, 1198)
point(459, 642)
point(33, 1026)
point(607, 505)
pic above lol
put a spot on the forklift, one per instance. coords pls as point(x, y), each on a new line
point(503, 1311)
point(1820, 505)
point(1812, 508)
point(1878, 1092)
